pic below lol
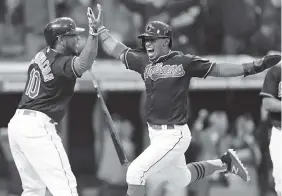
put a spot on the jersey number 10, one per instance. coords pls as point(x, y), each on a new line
point(32, 89)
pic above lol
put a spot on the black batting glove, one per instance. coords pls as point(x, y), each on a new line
point(262, 64)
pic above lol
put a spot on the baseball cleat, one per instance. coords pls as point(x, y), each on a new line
point(234, 165)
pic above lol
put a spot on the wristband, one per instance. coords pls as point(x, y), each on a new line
point(249, 69)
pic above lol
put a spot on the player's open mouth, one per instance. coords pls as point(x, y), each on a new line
point(150, 51)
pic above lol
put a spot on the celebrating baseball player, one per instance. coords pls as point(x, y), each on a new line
point(36, 147)
point(271, 102)
point(167, 74)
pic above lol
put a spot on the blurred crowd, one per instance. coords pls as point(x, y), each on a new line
point(212, 133)
point(200, 26)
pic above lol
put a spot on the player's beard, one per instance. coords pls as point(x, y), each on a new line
point(71, 50)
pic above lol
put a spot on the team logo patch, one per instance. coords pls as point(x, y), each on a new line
point(163, 71)
point(279, 89)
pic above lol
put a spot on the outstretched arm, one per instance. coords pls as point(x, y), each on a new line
point(245, 69)
point(227, 70)
point(132, 59)
point(116, 48)
point(87, 56)
point(85, 60)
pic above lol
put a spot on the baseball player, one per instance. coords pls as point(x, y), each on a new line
point(36, 148)
point(271, 102)
point(167, 75)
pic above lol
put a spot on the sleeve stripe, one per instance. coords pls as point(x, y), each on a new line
point(209, 70)
point(266, 95)
point(72, 67)
point(125, 59)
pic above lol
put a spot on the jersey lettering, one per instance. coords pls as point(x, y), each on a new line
point(50, 84)
point(159, 70)
point(167, 81)
point(33, 86)
point(44, 65)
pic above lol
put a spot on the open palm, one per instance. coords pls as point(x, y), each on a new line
point(95, 22)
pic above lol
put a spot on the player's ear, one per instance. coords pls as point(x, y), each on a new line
point(61, 41)
point(167, 41)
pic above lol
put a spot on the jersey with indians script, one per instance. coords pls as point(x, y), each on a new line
point(167, 81)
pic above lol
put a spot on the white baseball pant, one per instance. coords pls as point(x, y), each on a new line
point(165, 154)
point(275, 147)
point(39, 155)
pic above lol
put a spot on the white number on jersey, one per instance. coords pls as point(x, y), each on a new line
point(33, 86)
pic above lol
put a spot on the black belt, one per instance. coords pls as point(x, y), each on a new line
point(34, 113)
point(159, 127)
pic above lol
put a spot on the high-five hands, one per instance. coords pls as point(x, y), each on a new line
point(95, 23)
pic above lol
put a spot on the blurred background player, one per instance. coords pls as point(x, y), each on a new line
point(271, 101)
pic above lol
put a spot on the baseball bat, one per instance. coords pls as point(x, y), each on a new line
point(116, 140)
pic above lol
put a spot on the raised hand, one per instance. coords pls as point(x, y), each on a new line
point(95, 23)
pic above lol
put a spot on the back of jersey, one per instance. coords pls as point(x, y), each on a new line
point(50, 84)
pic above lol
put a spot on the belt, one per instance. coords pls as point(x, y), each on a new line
point(160, 127)
point(34, 113)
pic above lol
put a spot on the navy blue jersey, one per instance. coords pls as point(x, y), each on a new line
point(50, 84)
point(167, 81)
point(272, 88)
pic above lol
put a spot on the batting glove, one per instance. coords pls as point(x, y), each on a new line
point(260, 65)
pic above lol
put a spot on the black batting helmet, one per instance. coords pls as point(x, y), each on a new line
point(58, 27)
point(157, 29)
